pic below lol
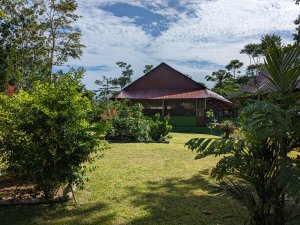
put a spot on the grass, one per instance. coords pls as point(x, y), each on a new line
point(140, 184)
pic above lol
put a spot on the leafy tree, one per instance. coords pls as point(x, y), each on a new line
point(219, 77)
point(47, 133)
point(254, 52)
point(110, 86)
point(20, 58)
point(228, 87)
point(147, 68)
point(61, 39)
point(269, 40)
point(297, 34)
point(254, 69)
point(125, 77)
point(234, 65)
point(36, 36)
point(256, 168)
point(106, 90)
point(225, 84)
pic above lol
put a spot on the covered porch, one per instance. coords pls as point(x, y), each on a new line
point(188, 112)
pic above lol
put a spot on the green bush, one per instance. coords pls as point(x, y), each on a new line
point(127, 122)
point(160, 128)
point(227, 128)
point(47, 135)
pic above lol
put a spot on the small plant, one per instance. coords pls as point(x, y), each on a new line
point(227, 128)
point(160, 128)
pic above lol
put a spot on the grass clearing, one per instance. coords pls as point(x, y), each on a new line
point(140, 184)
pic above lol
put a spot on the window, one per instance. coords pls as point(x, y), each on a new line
point(151, 107)
point(180, 107)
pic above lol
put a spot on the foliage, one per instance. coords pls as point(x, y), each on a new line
point(110, 86)
point(212, 122)
point(227, 128)
point(225, 84)
point(228, 87)
point(269, 40)
point(47, 134)
point(61, 38)
point(254, 51)
point(106, 89)
point(256, 168)
point(234, 65)
point(254, 69)
point(160, 128)
point(147, 68)
point(38, 35)
point(128, 123)
point(125, 78)
point(219, 77)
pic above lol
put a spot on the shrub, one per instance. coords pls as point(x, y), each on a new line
point(127, 122)
point(227, 128)
point(47, 136)
point(160, 127)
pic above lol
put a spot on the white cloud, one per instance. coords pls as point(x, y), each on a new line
point(214, 31)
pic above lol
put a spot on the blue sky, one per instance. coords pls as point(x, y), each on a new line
point(193, 36)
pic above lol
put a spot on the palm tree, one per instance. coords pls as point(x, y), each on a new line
point(269, 40)
point(256, 168)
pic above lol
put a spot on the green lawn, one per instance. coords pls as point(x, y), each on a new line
point(140, 184)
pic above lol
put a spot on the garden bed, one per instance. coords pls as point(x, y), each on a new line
point(20, 192)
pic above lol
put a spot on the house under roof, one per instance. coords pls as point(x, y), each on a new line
point(165, 90)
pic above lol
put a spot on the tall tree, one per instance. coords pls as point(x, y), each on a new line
point(125, 77)
point(218, 77)
point(224, 82)
point(147, 68)
point(36, 36)
point(106, 90)
point(20, 45)
point(234, 65)
point(269, 40)
point(110, 86)
point(61, 38)
point(254, 52)
point(254, 69)
point(297, 34)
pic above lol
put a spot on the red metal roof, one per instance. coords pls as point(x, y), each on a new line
point(169, 94)
point(164, 82)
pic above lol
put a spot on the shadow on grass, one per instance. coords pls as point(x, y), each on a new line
point(186, 202)
point(55, 214)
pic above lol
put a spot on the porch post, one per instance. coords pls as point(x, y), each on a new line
point(196, 109)
point(163, 107)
